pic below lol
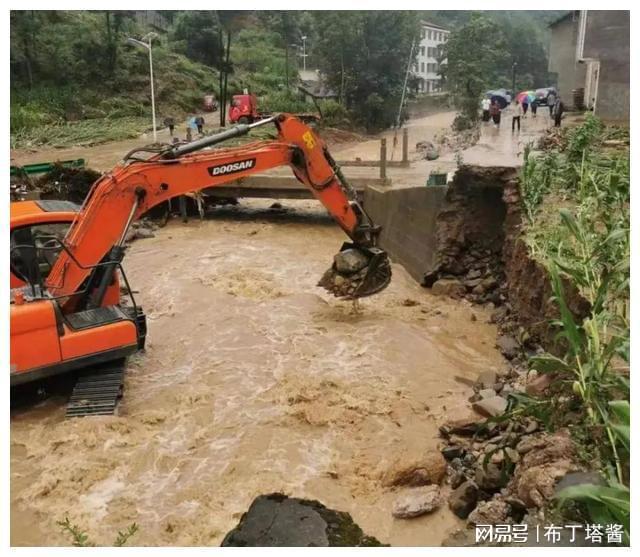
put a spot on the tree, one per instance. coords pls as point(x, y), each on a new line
point(196, 34)
point(475, 53)
point(364, 56)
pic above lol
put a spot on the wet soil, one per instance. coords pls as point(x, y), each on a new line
point(254, 381)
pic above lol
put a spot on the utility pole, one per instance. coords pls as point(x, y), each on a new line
point(513, 78)
point(404, 86)
point(149, 37)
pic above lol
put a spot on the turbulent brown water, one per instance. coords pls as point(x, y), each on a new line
point(254, 380)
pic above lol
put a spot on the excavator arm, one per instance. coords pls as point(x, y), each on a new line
point(94, 244)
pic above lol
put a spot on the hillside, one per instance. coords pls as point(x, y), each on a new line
point(76, 80)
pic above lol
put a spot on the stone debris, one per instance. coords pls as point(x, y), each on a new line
point(464, 499)
point(279, 521)
point(427, 150)
point(491, 406)
point(417, 501)
point(496, 511)
point(429, 469)
point(448, 287)
point(350, 261)
point(508, 346)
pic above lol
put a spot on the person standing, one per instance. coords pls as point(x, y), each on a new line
point(524, 106)
point(170, 123)
point(494, 110)
point(200, 124)
point(534, 107)
point(558, 111)
point(551, 100)
point(486, 103)
point(517, 114)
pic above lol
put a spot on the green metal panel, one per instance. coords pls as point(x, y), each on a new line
point(437, 179)
point(42, 167)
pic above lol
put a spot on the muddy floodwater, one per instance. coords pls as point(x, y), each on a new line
point(254, 381)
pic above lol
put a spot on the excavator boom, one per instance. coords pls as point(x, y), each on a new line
point(76, 319)
point(136, 185)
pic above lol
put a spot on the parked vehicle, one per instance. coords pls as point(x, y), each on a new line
point(209, 103)
point(542, 95)
point(244, 109)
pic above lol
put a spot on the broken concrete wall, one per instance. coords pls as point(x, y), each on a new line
point(408, 217)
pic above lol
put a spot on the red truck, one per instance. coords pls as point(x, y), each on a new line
point(244, 110)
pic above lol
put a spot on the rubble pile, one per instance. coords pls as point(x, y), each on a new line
point(427, 150)
point(476, 275)
point(69, 184)
point(553, 138)
point(500, 471)
point(452, 141)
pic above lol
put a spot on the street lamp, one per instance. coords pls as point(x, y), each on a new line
point(304, 52)
point(148, 38)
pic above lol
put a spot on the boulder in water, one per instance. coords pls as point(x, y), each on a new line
point(276, 520)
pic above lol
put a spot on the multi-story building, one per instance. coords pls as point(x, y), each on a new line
point(428, 59)
point(590, 55)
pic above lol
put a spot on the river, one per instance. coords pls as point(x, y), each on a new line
point(254, 380)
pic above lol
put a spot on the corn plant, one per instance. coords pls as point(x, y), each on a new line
point(589, 247)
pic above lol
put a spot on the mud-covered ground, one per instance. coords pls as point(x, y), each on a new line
point(254, 380)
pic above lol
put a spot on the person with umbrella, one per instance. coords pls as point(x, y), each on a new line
point(517, 113)
point(534, 107)
point(494, 110)
point(486, 104)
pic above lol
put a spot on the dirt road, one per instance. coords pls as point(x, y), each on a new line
point(498, 147)
point(254, 381)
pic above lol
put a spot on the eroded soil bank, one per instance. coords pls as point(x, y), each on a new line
point(254, 381)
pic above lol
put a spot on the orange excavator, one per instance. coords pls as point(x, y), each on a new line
point(67, 309)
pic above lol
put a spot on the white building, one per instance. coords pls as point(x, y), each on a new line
point(432, 39)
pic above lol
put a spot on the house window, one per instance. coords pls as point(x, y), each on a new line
point(422, 50)
point(421, 67)
point(429, 34)
point(423, 34)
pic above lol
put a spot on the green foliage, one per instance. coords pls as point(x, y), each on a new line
point(526, 34)
point(589, 247)
point(80, 538)
point(604, 504)
point(364, 56)
point(84, 132)
point(334, 114)
point(196, 34)
point(473, 52)
point(285, 101)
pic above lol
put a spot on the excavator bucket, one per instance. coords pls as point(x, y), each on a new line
point(357, 272)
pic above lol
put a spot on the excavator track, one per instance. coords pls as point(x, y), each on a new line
point(97, 391)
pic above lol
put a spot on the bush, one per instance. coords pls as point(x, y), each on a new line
point(285, 101)
point(334, 114)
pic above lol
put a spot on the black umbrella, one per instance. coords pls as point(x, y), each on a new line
point(500, 99)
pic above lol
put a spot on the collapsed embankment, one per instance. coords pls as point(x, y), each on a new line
point(464, 240)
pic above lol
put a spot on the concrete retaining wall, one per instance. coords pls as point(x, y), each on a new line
point(408, 217)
